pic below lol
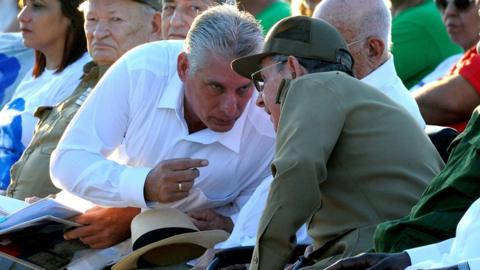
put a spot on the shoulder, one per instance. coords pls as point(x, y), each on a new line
point(157, 57)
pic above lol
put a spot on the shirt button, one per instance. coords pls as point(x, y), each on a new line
point(255, 260)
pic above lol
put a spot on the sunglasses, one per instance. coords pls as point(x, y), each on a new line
point(460, 5)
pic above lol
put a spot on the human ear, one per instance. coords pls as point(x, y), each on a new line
point(294, 67)
point(183, 66)
point(156, 26)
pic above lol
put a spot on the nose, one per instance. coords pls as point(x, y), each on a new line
point(100, 30)
point(229, 106)
point(24, 16)
point(259, 101)
point(450, 10)
point(178, 18)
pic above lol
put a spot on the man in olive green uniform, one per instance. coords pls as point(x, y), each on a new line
point(347, 157)
point(106, 43)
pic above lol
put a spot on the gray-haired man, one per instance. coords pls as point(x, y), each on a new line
point(171, 110)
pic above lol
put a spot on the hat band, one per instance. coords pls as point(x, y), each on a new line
point(157, 235)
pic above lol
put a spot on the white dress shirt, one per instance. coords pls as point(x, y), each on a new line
point(385, 79)
point(463, 248)
point(138, 104)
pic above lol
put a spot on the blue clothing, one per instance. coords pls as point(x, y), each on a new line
point(15, 62)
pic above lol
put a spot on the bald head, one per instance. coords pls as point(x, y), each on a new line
point(359, 22)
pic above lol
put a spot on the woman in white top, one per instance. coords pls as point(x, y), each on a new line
point(54, 28)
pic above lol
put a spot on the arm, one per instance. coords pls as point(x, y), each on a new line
point(447, 101)
point(299, 168)
point(103, 227)
point(79, 163)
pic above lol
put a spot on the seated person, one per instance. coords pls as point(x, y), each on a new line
point(366, 26)
point(191, 136)
point(60, 53)
point(106, 43)
point(331, 169)
point(420, 41)
point(451, 100)
point(457, 253)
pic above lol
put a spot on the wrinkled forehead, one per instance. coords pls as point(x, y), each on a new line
point(110, 6)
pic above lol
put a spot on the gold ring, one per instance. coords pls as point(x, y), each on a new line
point(180, 186)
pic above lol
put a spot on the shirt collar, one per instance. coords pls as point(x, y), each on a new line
point(386, 72)
point(172, 98)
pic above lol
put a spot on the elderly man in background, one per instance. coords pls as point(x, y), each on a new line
point(330, 169)
point(136, 22)
point(186, 128)
point(178, 15)
point(366, 27)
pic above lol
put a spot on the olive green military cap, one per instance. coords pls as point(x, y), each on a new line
point(300, 36)
point(156, 4)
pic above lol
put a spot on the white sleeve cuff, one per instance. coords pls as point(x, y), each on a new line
point(429, 252)
point(132, 182)
point(474, 264)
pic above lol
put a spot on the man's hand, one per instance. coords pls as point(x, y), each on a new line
point(373, 261)
point(210, 220)
point(171, 180)
point(103, 227)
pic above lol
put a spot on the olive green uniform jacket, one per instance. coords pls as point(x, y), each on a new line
point(30, 174)
point(347, 158)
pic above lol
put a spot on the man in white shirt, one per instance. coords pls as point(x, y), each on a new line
point(366, 27)
point(182, 126)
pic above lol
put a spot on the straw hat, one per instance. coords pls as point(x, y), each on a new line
point(166, 237)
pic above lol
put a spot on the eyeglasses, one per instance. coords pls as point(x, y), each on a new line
point(355, 42)
point(259, 83)
point(460, 5)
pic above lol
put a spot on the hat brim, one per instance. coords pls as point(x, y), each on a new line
point(247, 65)
point(205, 239)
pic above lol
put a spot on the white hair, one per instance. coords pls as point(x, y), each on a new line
point(365, 18)
point(224, 31)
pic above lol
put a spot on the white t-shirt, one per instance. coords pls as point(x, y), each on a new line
point(17, 122)
point(15, 62)
point(138, 104)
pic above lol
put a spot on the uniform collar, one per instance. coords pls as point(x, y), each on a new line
point(172, 98)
